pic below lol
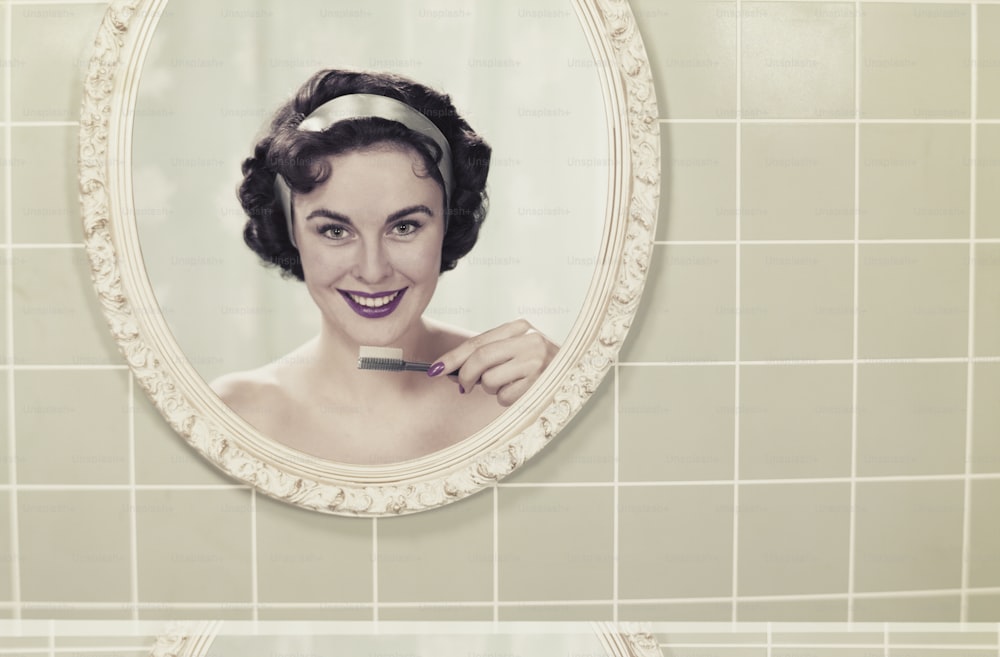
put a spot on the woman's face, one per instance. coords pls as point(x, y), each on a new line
point(370, 241)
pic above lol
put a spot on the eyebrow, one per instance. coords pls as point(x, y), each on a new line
point(398, 214)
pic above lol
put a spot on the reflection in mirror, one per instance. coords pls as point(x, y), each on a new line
point(535, 257)
point(175, 98)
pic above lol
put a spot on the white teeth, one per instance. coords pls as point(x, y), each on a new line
point(373, 302)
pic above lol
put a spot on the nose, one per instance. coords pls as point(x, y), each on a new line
point(373, 264)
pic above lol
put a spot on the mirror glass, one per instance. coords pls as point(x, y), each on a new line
point(521, 72)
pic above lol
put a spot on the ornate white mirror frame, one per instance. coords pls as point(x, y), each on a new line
point(199, 639)
point(199, 416)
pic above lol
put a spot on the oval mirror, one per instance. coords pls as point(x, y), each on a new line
point(177, 94)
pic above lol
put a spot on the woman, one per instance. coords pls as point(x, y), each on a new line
point(367, 187)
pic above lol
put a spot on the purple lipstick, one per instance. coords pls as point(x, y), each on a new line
point(373, 306)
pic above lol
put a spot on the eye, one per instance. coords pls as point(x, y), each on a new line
point(334, 232)
point(404, 228)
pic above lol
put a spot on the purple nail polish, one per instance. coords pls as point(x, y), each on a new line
point(461, 390)
point(435, 369)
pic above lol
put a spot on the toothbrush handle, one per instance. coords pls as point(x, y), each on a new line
point(409, 366)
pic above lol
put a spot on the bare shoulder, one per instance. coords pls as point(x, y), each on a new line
point(446, 337)
point(251, 390)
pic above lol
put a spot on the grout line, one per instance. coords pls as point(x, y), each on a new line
point(839, 361)
point(736, 302)
point(770, 638)
point(496, 554)
point(975, 476)
point(485, 604)
point(65, 368)
point(615, 517)
point(28, 246)
point(375, 571)
point(825, 121)
point(15, 539)
point(885, 639)
point(931, 241)
point(52, 638)
point(971, 346)
point(41, 124)
point(852, 508)
point(133, 512)
point(254, 563)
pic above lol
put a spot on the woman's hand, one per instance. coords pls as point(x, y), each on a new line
point(505, 361)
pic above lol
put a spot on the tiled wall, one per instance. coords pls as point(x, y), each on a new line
point(804, 424)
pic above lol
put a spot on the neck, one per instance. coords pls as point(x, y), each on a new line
point(334, 352)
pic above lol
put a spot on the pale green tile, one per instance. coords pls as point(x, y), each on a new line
point(846, 636)
point(7, 164)
point(812, 611)
point(688, 311)
point(908, 536)
point(987, 273)
point(795, 421)
point(69, 613)
point(193, 546)
point(676, 423)
point(45, 192)
point(675, 542)
point(797, 182)
point(52, 43)
point(4, 430)
point(676, 612)
point(72, 427)
point(759, 650)
point(444, 555)
point(692, 52)
point(74, 546)
point(793, 539)
point(796, 302)
point(987, 164)
point(428, 614)
point(162, 456)
point(557, 613)
point(988, 60)
point(317, 613)
point(911, 418)
point(913, 300)
point(5, 548)
point(217, 612)
point(57, 316)
point(914, 181)
point(116, 635)
point(720, 636)
point(798, 59)
point(903, 78)
point(698, 199)
point(309, 557)
point(984, 537)
point(986, 418)
point(548, 537)
point(955, 636)
point(903, 609)
point(984, 607)
point(953, 651)
point(823, 651)
point(584, 450)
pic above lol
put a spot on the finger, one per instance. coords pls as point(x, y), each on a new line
point(455, 358)
point(500, 363)
point(511, 392)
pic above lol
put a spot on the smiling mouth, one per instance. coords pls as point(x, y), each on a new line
point(373, 305)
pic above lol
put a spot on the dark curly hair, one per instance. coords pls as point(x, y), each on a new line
point(300, 157)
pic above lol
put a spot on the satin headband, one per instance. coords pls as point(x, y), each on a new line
point(355, 106)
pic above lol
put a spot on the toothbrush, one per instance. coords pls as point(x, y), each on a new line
point(387, 359)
